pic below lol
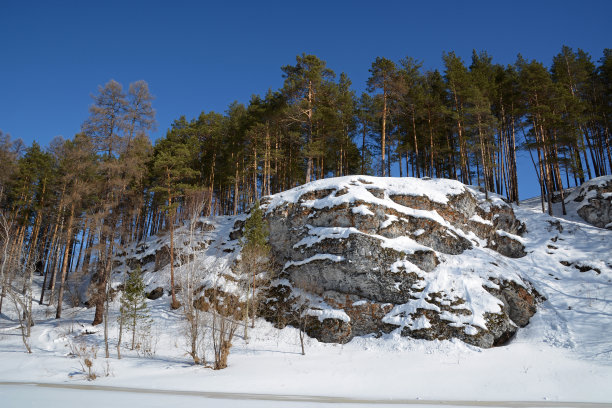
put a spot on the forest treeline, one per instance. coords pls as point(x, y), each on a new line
point(67, 209)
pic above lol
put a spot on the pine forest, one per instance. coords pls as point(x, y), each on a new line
point(68, 208)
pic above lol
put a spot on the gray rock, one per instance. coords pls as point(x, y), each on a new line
point(236, 232)
point(354, 272)
point(162, 258)
point(507, 246)
point(156, 293)
point(364, 271)
point(597, 210)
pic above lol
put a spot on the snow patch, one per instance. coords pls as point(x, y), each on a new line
point(317, 257)
point(362, 210)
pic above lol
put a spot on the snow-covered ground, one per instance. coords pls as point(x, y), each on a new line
point(563, 355)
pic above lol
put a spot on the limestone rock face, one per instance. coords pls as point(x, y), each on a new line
point(372, 255)
point(595, 198)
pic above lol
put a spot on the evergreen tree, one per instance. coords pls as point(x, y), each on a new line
point(254, 256)
point(255, 230)
point(8, 158)
point(457, 79)
point(604, 79)
point(78, 178)
point(303, 83)
point(382, 73)
point(134, 312)
point(365, 116)
point(480, 95)
point(172, 164)
point(408, 91)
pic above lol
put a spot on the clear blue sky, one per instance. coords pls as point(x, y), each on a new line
point(198, 56)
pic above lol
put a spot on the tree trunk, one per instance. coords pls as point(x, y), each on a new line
point(309, 168)
point(69, 235)
point(483, 157)
point(174, 304)
point(416, 143)
point(363, 146)
point(384, 130)
point(431, 143)
point(56, 259)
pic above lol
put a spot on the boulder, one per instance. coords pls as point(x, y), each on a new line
point(162, 257)
point(236, 232)
point(595, 198)
point(156, 293)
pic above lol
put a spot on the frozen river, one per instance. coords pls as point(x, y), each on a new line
point(13, 395)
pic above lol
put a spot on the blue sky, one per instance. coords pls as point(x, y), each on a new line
point(200, 56)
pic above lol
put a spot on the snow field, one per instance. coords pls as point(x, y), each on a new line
point(564, 354)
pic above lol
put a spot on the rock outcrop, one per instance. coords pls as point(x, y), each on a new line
point(359, 255)
point(595, 198)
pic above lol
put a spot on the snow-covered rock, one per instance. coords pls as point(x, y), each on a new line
point(362, 255)
point(204, 257)
point(595, 198)
point(387, 253)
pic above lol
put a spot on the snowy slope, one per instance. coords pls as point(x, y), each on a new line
point(564, 354)
point(205, 251)
point(570, 263)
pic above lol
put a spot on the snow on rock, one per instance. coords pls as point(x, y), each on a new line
point(395, 254)
point(593, 201)
point(204, 254)
point(429, 259)
point(362, 209)
point(316, 257)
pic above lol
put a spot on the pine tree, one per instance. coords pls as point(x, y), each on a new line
point(457, 80)
point(408, 93)
point(134, 312)
point(254, 255)
point(77, 175)
point(604, 80)
point(480, 94)
point(303, 83)
point(172, 165)
point(255, 231)
point(364, 114)
point(382, 73)
point(8, 158)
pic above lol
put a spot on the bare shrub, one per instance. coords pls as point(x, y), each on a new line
point(224, 326)
point(86, 355)
point(74, 283)
point(16, 280)
point(254, 268)
point(24, 316)
point(146, 341)
point(301, 307)
point(6, 232)
point(196, 322)
point(195, 332)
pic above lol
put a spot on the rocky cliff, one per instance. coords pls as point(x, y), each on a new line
point(371, 255)
point(360, 256)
